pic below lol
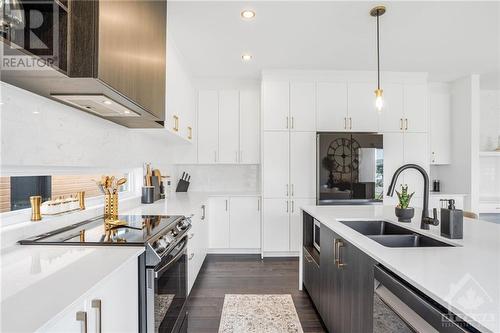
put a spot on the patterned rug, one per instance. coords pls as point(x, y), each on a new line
point(259, 313)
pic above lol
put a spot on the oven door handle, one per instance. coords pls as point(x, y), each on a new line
point(160, 270)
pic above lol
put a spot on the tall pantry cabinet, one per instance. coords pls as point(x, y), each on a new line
point(288, 162)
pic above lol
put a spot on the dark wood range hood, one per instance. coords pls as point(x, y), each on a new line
point(109, 58)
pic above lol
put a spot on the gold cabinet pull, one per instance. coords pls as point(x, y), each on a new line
point(82, 317)
point(291, 190)
point(203, 212)
point(287, 206)
point(293, 125)
point(401, 123)
point(293, 206)
point(96, 304)
point(176, 123)
point(406, 124)
point(338, 258)
point(286, 190)
point(350, 123)
point(190, 132)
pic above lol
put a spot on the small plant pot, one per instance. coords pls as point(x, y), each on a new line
point(405, 214)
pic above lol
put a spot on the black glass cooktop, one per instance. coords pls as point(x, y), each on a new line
point(137, 231)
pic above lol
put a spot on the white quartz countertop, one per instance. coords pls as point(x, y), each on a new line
point(464, 279)
point(40, 281)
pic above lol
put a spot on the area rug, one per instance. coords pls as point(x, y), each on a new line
point(259, 313)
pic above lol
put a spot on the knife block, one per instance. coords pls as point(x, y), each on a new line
point(182, 186)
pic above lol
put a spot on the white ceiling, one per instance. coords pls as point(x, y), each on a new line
point(446, 39)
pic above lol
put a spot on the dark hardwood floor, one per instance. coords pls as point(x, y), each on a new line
point(246, 274)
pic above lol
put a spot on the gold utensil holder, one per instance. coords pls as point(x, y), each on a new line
point(36, 202)
point(111, 210)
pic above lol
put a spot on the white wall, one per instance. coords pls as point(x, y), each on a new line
point(38, 132)
point(461, 176)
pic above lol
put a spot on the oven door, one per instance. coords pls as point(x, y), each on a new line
point(166, 291)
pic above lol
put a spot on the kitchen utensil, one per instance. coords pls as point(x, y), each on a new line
point(147, 195)
point(183, 184)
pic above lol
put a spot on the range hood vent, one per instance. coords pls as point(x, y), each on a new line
point(98, 104)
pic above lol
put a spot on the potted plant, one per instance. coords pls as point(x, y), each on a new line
point(403, 211)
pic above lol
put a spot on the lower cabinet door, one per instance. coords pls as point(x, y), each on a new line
point(244, 219)
point(311, 278)
point(114, 304)
point(276, 225)
point(68, 322)
point(219, 223)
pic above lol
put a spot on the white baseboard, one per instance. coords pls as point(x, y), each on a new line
point(233, 251)
point(271, 254)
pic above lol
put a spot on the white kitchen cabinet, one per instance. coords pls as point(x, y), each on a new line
point(229, 141)
point(276, 105)
point(249, 127)
point(124, 283)
point(416, 152)
point(244, 219)
point(393, 159)
point(296, 220)
point(219, 222)
point(198, 243)
point(208, 126)
point(275, 164)
point(362, 117)
point(276, 225)
point(302, 106)
point(440, 128)
point(392, 115)
point(114, 296)
point(331, 112)
point(302, 164)
point(400, 149)
point(416, 107)
point(67, 322)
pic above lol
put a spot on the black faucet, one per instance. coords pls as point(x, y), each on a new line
point(426, 219)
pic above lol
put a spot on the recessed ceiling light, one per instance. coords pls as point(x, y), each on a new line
point(247, 14)
point(107, 102)
point(246, 57)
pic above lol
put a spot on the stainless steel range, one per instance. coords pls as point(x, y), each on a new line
point(162, 267)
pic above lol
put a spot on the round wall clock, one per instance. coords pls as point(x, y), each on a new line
point(344, 154)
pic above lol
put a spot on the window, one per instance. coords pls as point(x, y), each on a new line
point(15, 191)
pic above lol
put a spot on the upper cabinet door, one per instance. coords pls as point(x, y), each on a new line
point(276, 105)
point(302, 106)
point(303, 164)
point(363, 117)
point(208, 129)
point(275, 167)
point(331, 112)
point(249, 127)
point(391, 116)
point(229, 105)
point(416, 107)
point(393, 159)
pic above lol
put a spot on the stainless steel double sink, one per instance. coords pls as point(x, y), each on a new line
point(391, 235)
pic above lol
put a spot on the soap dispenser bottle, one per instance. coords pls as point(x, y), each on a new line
point(452, 221)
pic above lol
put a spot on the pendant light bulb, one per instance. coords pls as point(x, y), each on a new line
point(379, 100)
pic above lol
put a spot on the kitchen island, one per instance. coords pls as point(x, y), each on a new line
point(463, 278)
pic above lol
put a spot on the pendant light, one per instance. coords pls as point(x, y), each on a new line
point(379, 100)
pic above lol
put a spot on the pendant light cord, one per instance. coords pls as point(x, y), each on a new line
point(378, 51)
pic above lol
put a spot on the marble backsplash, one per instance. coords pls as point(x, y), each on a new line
point(221, 178)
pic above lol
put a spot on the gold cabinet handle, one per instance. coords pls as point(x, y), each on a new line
point(82, 317)
point(176, 123)
point(293, 125)
point(350, 123)
point(406, 124)
point(401, 123)
point(287, 206)
point(338, 258)
point(96, 304)
point(293, 206)
point(203, 212)
point(286, 190)
point(190, 132)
